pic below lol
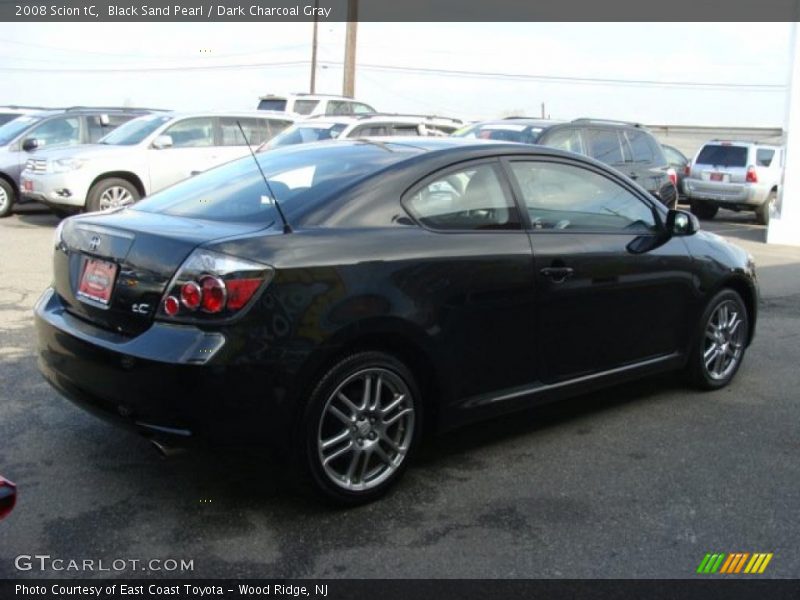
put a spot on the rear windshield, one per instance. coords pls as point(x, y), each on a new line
point(272, 104)
point(303, 134)
point(506, 132)
point(298, 177)
point(723, 156)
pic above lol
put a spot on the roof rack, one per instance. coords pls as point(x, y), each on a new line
point(511, 118)
point(26, 107)
point(607, 122)
point(385, 114)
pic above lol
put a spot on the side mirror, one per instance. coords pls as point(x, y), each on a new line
point(104, 120)
point(31, 144)
point(680, 222)
point(162, 141)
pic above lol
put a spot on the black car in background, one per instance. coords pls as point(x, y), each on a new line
point(376, 289)
point(628, 147)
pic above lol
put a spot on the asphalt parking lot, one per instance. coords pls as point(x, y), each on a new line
point(637, 481)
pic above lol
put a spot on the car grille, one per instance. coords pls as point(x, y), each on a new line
point(37, 166)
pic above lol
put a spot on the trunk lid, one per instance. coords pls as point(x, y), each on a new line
point(134, 255)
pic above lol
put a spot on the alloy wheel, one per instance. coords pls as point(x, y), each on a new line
point(114, 197)
point(724, 340)
point(3, 199)
point(366, 429)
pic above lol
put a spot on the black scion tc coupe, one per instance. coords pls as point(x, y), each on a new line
point(407, 285)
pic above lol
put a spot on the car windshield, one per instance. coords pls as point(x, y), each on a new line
point(235, 192)
point(6, 117)
point(720, 155)
point(12, 129)
point(135, 131)
point(506, 132)
point(303, 134)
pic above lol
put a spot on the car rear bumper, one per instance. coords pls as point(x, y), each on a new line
point(726, 193)
point(159, 383)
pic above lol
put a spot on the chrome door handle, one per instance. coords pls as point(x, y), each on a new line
point(557, 274)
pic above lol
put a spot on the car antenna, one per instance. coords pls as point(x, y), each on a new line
point(286, 227)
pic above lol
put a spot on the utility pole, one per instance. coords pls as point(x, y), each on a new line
point(349, 83)
point(313, 85)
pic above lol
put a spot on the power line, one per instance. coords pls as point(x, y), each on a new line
point(289, 63)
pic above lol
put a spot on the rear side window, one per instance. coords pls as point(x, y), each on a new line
point(722, 156)
point(764, 157)
point(362, 109)
point(339, 107)
point(568, 139)
point(367, 130)
point(272, 104)
point(604, 145)
point(257, 131)
point(641, 150)
point(402, 129)
point(565, 197)
point(305, 107)
point(468, 199)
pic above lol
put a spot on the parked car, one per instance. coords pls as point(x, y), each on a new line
point(144, 156)
point(8, 497)
point(9, 113)
point(678, 162)
point(370, 291)
point(734, 175)
point(305, 105)
point(628, 147)
point(29, 134)
point(317, 129)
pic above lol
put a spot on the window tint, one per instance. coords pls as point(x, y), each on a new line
point(722, 156)
point(403, 129)
point(568, 139)
point(641, 151)
point(604, 145)
point(470, 199)
point(506, 132)
point(764, 157)
point(305, 107)
point(60, 131)
point(257, 130)
point(272, 104)
point(6, 117)
point(192, 133)
point(565, 197)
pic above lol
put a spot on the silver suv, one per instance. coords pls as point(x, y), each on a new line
point(734, 175)
point(143, 156)
point(304, 105)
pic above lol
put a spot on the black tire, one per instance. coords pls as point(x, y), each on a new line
point(762, 212)
point(704, 210)
point(316, 419)
point(94, 201)
point(7, 198)
point(696, 370)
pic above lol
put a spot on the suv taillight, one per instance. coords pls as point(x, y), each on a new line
point(673, 176)
point(210, 285)
point(687, 170)
point(751, 175)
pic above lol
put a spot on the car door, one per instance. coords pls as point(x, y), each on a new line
point(612, 290)
point(477, 277)
point(192, 151)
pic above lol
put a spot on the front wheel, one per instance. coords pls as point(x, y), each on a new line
point(360, 428)
point(720, 342)
point(111, 193)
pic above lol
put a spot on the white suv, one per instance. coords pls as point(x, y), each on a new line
point(316, 129)
point(305, 105)
point(143, 156)
point(734, 175)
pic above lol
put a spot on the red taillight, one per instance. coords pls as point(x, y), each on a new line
point(191, 295)
point(213, 294)
point(240, 291)
point(673, 176)
point(8, 497)
point(687, 170)
point(751, 175)
point(171, 306)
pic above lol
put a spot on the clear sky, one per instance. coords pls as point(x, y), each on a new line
point(664, 73)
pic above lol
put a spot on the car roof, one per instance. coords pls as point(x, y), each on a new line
point(306, 96)
point(740, 143)
point(381, 118)
point(544, 123)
